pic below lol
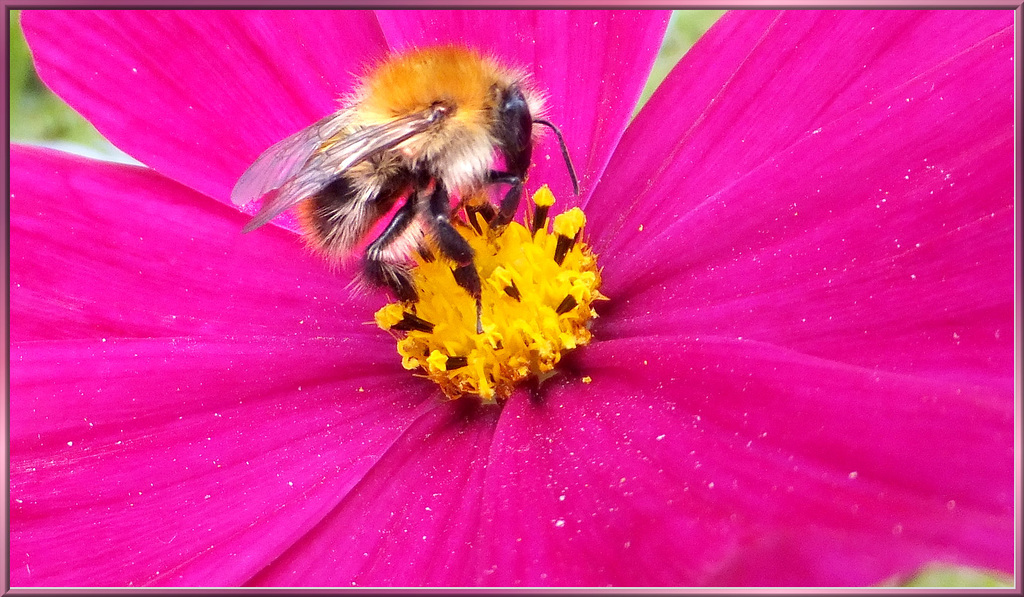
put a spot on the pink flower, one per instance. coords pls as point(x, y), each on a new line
point(804, 376)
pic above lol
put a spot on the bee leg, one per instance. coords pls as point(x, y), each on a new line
point(451, 244)
point(382, 272)
point(425, 253)
point(510, 203)
point(486, 211)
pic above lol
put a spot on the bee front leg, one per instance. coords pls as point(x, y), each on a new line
point(475, 203)
point(486, 211)
point(451, 245)
point(378, 269)
point(510, 203)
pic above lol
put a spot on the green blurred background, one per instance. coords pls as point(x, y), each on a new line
point(37, 116)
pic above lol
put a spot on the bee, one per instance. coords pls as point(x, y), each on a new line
point(422, 126)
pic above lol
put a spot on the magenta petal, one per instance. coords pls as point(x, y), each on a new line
point(592, 66)
point(104, 250)
point(413, 519)
point(224, 417)
point(199, 94)
point(186, 401)
point(730, 454)
point(184, 461)
point(761, 81)
point(880, 235)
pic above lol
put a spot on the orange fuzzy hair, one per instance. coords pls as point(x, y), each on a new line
point(409, 82)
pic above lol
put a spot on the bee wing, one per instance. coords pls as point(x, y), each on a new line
point(329, 159)
point(284, 159)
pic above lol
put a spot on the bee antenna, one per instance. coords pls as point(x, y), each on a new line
point(565, 153)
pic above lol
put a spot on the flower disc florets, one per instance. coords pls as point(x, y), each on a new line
point(538, 287)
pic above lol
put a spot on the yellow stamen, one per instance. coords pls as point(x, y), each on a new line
point(570, 222)
point(389, 315)
point(544, 197)
point(538, 288)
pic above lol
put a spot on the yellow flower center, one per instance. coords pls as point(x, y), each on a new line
point(538, 287)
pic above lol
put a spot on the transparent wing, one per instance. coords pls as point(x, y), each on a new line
point(284, 159)
point(330, 158)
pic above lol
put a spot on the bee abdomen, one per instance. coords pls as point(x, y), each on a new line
point(322, 212)
point(340, 214)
